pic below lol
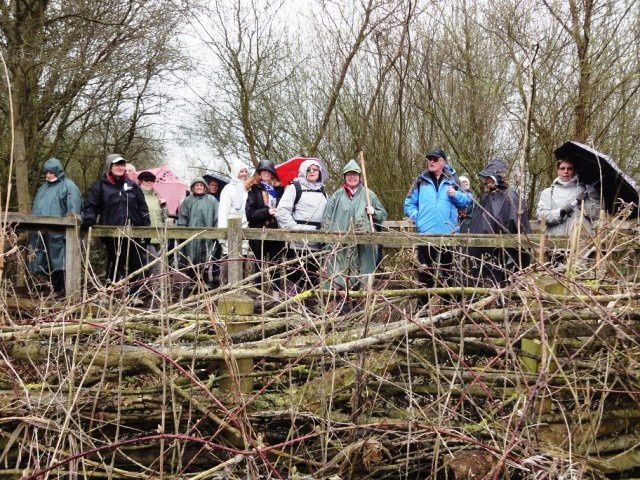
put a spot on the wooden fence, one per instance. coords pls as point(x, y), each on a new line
point(235, 234)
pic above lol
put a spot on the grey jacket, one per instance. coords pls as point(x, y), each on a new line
point(563, 195)
point(307, 213)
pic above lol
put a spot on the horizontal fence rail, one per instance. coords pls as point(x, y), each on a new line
point(235, 234)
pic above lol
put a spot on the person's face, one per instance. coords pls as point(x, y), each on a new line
point(199, 188)
point(566, 171)
point(266, 176)
point(214, 187)
point(313, 173)
point(243, 174)
point(352, 179)
point(129, 168)
point(50, 176)
point(489, 183)
point(118, 169)
point(147, 184)
point(465, 185)
point(435, 165)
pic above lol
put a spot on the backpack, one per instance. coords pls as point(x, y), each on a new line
point(299, 191)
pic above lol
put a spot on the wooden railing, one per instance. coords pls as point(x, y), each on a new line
point(235, 234)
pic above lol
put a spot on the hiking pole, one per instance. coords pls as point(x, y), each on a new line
point(366, 188)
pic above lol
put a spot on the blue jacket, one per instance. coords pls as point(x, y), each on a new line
point(434, 211)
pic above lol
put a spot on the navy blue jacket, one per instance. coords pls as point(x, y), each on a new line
point(116, 202)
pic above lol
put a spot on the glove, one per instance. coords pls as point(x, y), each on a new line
point(86, 225)
point(564, 211)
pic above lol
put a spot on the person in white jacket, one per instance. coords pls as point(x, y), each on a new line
point(567, 201)
point(301, 208)
point(232, 205)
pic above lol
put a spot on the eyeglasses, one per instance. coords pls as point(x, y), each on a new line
point(311, 169)
point(433, 159)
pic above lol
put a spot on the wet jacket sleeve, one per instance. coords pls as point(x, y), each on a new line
point(461, 199)
point(183, 215)
point(552, 216)
point(145, 218)
point(93, 206)
point(592, 203)
point(381, 214)
point(74, 199)
point(329, 213)
point(411, 203)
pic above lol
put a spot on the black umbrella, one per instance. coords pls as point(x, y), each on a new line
point(221, 179)
point(597, 169)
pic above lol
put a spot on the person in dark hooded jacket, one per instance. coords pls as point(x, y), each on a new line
point(117, 200)
point(500, 211)
point(58, 196)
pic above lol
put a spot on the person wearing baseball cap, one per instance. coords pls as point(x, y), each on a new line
point(432, 204)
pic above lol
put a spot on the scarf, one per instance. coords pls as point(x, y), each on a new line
point(349, 191)
point(271, 190)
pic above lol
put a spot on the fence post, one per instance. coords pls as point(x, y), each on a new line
point(73, 261)
point(234, 248)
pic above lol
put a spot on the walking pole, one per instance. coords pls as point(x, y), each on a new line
point(366, 188)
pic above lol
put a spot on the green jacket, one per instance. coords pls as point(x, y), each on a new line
point(157, 211)
point(199, 211)
point(54, 199)
point(344, 214)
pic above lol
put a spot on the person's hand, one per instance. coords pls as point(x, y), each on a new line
point(272, 211)
point(451, 191)
point(86, 225)
point(370, 210)
point(581, 197)
point(564, 211)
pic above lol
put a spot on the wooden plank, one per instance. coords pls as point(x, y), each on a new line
point(234, 245)
point(387, 239)
point(73, 263)
point(39, 222)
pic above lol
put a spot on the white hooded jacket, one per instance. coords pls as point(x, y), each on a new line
point(233, 198)
point(563, 195)
point(307, 213)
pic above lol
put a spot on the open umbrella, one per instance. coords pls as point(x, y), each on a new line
point(597, 169)
point(168, 186)
point(221, 179)
point(288, 170)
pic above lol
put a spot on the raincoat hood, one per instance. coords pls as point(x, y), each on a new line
point(110, 160)
point(496, 168)
point(352, 166)
point(235, 170)
point(53, 165)
point(302, 172)
point(198, 180)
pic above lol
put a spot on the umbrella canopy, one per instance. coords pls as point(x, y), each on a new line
point(168, 186)
point(288, 170)
point(223, 180)
point(597, 169)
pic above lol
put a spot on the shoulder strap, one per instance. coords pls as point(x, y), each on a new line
point(298, 188)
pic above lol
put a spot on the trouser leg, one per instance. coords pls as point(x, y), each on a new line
point(57, 280)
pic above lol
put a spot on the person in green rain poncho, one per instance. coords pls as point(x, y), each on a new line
point(199, 210)
point(346, 211)
point(57, 197)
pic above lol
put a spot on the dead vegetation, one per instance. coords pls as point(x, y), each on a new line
point(539, 379)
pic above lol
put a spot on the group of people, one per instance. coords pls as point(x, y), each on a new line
point(437, 203)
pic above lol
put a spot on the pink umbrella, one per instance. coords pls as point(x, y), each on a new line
point(168, 186)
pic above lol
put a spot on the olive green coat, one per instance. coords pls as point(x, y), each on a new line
point(344, 214)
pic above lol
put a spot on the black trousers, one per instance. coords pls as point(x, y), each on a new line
point(123, 256)
point(439, 266)
point(267, 253)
